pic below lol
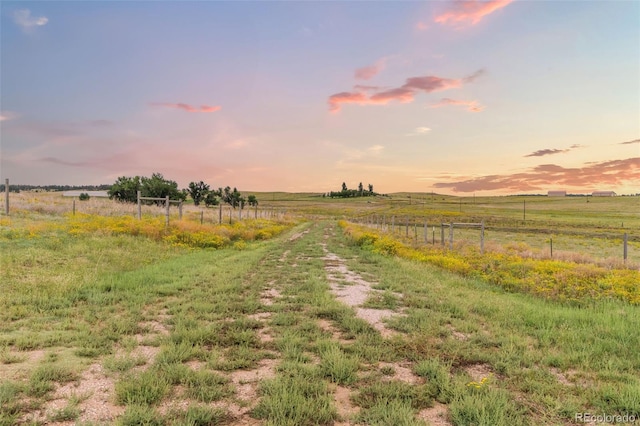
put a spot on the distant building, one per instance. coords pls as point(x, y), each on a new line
point(557, 194)
point(603, 194)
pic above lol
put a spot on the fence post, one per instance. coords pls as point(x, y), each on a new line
point(551, 246)
point(240, 212)
point(74, 207)
point(180, 210)
point(407, 224)
point(166, 203)
point(256, 211)
point(393, 222)
point(482, 237)
point(626, 239)
point(139, 207)
point(201, 216)
point(442, 234)
point(6, 197)
point(415, 232)
point(426, 233)
point(220, 214)
point(451, 236)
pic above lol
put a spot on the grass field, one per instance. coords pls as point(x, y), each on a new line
point(297, 320)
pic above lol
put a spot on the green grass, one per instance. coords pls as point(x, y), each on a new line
point(86, 299)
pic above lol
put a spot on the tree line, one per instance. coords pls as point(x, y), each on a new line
point(54, 188)
point(126, 189)
point(347, 193)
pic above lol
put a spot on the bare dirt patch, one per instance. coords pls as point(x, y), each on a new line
point(346, 409)
point(436, 415)
point(355, 292)
point(267, 296)
point(402, 372)
point(95, 390)
point(478, 371)
point(298, 235)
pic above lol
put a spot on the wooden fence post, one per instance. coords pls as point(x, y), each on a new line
point(166, 203)
point(407, 224)
point(626, 239)
point(451, 236)
point(74, 207)
point(442, 234)
point(426, 232)
point(393, 220)
point(482, 238)
point(180, 210)
point(201, 216)
point(220, 215)
point(139, 207)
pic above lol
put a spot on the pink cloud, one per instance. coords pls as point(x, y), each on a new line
point(469, 12)
point(405, 93)
point(346, 98)
point(368, 72)
point(187, 107)
point(608, 173)
point(472, 106)
point(401, 94)
point(422, 26)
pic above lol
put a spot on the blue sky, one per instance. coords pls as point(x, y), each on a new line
point(493, 97)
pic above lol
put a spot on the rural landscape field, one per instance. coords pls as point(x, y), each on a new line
point(316, 311)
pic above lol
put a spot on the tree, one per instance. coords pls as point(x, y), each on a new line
point(344, 187)
point(211, 199)
point(83, 196)
point(237, 200)
point(198, 191)
point(252, 200)
point(370, 189)
point(125, 189)
point(360, 189)
point(233, 198)
point(158, 187)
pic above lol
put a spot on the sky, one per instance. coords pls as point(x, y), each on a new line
point(463, 98)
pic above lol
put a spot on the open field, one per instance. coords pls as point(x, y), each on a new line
point(118, 321)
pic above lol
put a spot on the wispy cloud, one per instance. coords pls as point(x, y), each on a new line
point(601, 174)
point(375, 149)
point(405, 93)
point(187, 107)
point(469, 12)
point(422, 26)
point(553, 151)
point(7, 115)
point(419, 131)
point(472, 106)
point(27, 22)
point(635, 141)
point(543, 152)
